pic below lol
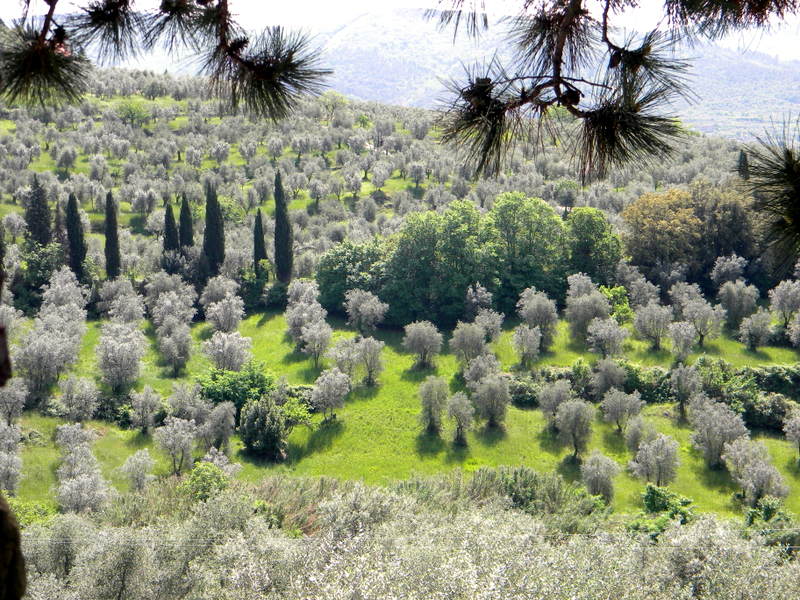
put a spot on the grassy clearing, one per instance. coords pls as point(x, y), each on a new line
point(376, 436)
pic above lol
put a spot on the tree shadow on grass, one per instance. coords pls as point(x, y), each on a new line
point(311, 372)
point(416, 374)
point(138, 441)
point(364, 392)
point(549, 442)
point(295, 356)
point(321, 438)
point(718, 480)
point(490, 436)
point(429, 443)
point(457, 453)
point(614, 441)
point(792, 465)
point(570, 468)
point(205, 333)
point(756, 354)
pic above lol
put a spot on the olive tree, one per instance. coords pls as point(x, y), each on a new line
point(479, 368)
point(175, 438)
point(791, 428)
point(228, 351)
point(370, 351)
point(683, 337)
point(537, 310)
point(656, 460)
point(329, 392)
point(79, 398)
point(619, 407)
point(784, 300)
point(607, 375)
point(316, 337)
point(638, 432)
point(727, 269)
point(491, 322)
point(460, 409)
point(346, 356)
point(756, 329)
point(433, 397)
point(364, 310)
point(491, 399)
point(574, 424)
point(715, 425)
point(706, 319)
point(468, 341)
point(119, 354)
point(144, 405)
point(226, 314)
point(684, 382)
point(477, 298)
point(424, 340)
point(738, 299)
point(597, 473)
point(582, 309)
point(527, 342)
point(138, 468)
point(553, 395)
point(12, 399)
point(748, 462)
point(606, 337)
point(652, 323)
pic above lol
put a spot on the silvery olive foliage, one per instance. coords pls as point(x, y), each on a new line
point(176, 439)
point(330, 390)
point(597, 473)
point(606, 337)
point(138, 468)
point(365, 311)
point(81, 487)
point(424, 340)
point(656, 460)
point(119, 354)
point(537, 310)
point(228, 351)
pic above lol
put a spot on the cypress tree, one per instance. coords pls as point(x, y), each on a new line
point(60, 231)
point(214, 235)
point(186, 225)
point(259, 247)
point(283, 234)
point(75, 238)
point(112, 239)
point(37, 215)
point(744, 165)
point(171, 241)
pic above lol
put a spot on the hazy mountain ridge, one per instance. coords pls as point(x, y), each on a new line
point(397, 57)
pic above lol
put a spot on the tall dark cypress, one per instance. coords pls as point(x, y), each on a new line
point(259, 246)
point(214, 235)
point(186, 224)
point(744, 165)
point(112, 239)
point(171, 241)
point(75, 238)
point(37, 215)
point(60, 231)
point(283, 234)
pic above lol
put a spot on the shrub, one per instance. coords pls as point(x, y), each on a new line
point(204, 482)
point(263, 429)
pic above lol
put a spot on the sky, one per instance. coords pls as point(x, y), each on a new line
point(781, 40)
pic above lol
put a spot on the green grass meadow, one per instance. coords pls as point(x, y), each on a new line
point(376, 437)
